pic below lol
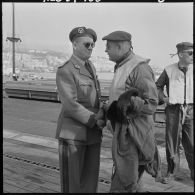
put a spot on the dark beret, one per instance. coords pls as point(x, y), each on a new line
point(118, 36)
point(82, 32)
point(184, 46)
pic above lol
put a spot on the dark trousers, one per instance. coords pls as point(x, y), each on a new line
point(177, 132)
point(79, 167)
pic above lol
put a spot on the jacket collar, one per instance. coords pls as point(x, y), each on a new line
point(183, 68)
point(80, 65)
point(128, 57)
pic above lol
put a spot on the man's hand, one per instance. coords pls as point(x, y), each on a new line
point(100, 114)
point(101, 123)
point(100, 117)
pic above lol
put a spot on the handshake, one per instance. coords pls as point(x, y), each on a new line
point(101, 117)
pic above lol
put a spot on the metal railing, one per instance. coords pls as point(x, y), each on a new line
point(47, 90)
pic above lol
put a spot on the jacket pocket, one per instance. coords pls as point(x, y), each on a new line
point(84, 89)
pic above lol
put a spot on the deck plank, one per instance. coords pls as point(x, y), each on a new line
point(25, 175)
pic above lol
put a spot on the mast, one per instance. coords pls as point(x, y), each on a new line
point(13, 39)
point(13, 46)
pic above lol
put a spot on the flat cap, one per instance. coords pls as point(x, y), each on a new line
point(184, 46)
point(82, 32)
point(118, 36)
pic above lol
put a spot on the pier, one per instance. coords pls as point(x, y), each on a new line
point(30, 151)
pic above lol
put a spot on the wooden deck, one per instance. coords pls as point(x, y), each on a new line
point(29, 166)
point(30, 155)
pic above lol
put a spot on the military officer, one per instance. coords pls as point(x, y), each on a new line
point(79, 128)
point(178, 79)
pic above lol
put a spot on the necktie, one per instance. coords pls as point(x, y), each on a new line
point(87, 66)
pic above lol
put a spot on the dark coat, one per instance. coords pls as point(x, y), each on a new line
point(130, 125)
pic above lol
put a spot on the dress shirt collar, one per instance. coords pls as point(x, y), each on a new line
point(79, 60)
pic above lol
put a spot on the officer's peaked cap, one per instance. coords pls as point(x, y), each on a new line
point(118, 36)
point(82, 32)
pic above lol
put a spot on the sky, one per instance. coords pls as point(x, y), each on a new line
point(156, 28)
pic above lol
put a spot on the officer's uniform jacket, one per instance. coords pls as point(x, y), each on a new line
point(173, 78)
point(79, 93)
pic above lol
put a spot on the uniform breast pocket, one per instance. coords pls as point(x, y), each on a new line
point(84, 89)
